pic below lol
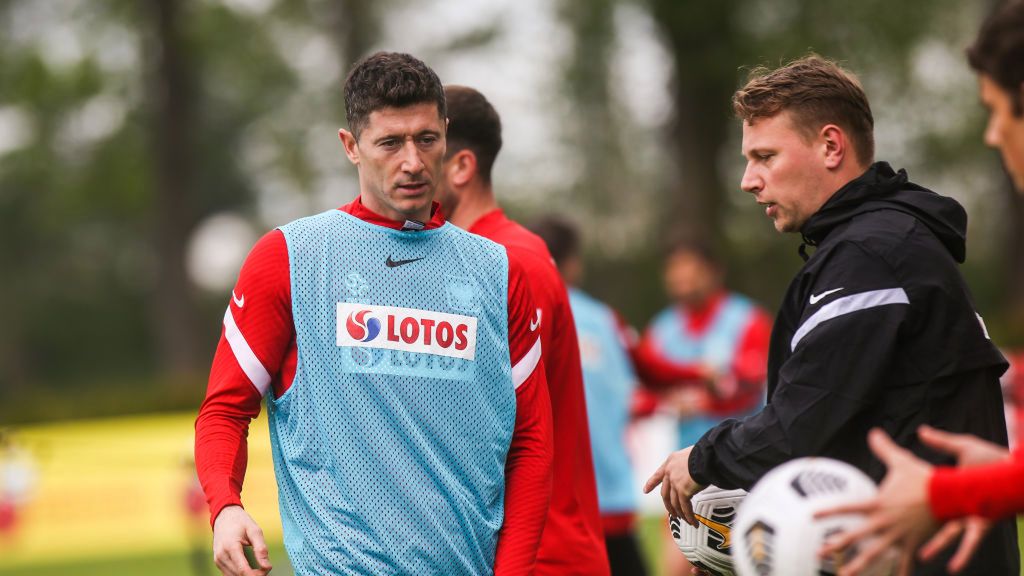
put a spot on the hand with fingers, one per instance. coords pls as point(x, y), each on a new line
point(232, 531)
point(677, 486)
point(900, 514)
point(686, 401)
point(973, 529)
point(969, 450)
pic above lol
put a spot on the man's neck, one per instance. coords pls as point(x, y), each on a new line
point(840, 179)
point(847, 175)
point(474, 202)
point(371, 203)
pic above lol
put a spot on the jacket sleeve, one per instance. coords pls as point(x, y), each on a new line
point(841, 355)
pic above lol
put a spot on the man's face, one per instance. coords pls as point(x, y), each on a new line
point(785, 172)
point(689, 279)
point(399, 155)
point(1004, 130)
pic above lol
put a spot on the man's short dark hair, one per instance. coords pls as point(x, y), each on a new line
point(560, 235)
point(389, 80)
point(998, 51)
point(815, 91)
point(473, 124)
point(685, 244)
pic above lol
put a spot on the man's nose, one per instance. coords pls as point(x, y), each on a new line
point(992, 134)
point(412, 162)
point(750, 181)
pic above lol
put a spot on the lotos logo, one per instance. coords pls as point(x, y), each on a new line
point(361, 328)
point(407, 329)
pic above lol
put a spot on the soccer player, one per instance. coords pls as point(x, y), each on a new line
point(572, 542)
point(401, 364)
point(711, 340)
point(917, 498)
point(610, 384)
point(877, 329)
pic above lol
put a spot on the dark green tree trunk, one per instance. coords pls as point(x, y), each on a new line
point(699, 36)
point(172, 115)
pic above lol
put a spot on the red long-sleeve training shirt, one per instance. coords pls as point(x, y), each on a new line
point(993, 491)
point(257, 355)
point(573, 541)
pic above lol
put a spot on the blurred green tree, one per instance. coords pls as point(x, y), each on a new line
point(120, 125)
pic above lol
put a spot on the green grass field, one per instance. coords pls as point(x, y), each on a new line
point(179, 563)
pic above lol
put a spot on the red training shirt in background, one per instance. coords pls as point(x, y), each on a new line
point(573, 541)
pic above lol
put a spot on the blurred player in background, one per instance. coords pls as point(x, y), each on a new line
point(877, 329)
point(708, 351)
point(193, 502)
point(917, 499)
point(706, 355)
point(572, 541)
point(17, 483)
point(610, 384)
point(401, 361)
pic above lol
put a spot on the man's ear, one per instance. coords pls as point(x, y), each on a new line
point(351, 144)
point(462, 167)
point(835, 145)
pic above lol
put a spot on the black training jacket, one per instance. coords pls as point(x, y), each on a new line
point(877, 329)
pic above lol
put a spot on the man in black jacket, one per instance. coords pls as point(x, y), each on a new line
point(877, 330)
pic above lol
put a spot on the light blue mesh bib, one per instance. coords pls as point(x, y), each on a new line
point(608, 381)
point(716, 347)
point(390, 446)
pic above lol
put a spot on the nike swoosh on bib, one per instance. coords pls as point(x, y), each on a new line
point(395, 263)
point(815, 298)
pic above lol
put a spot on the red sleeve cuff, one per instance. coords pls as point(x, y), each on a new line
point(992, 491)
point(215, 509)
point(947, 494)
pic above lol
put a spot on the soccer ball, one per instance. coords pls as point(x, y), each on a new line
point(776, 533)
point(707, 546)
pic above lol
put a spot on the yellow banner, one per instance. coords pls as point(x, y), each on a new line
point(115, 487)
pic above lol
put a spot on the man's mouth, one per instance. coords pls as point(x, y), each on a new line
point(414, 187)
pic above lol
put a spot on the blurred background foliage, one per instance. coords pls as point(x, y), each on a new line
point(144, 146)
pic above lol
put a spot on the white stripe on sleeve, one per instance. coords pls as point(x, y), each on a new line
point(524, 368)
point(247, 359)
point(848, 304)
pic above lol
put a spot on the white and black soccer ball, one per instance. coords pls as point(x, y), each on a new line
point(708, 545)
point(775, 532)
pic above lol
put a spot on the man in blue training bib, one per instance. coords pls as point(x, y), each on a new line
point(409, 414)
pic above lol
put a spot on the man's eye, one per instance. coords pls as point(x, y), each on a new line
point(389, 144)
point(764, 156)
point(428, 139)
